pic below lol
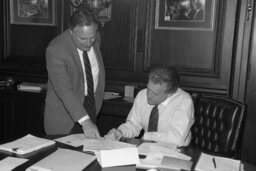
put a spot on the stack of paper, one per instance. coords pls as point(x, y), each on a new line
point(112, 153)
point(215, 163)
point(74, 140)
point(103, 144)
point(118, 157)
point(64, 160)
point(26, 144)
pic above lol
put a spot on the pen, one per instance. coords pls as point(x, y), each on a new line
point(89, 152)
point(15, 149)
point(214, 162)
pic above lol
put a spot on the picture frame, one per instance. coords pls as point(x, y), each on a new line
point(33, 12)
point(193, 15)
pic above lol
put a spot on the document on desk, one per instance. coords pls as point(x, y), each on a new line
point(64, 160)
point(157, 160)
point(74, 140)
point(26, 144)
point(151, 161)
point(161, 150)
point(162, 156)
point(176, 163)
point(216, 163)
point(118, 157)
point(148, 147)
point(9, 163)
point(103, 144)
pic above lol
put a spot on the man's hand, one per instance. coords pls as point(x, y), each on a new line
point(114, 134)
point(90, 129)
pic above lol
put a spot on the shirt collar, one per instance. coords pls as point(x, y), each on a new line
point(167, 100)
point(88, 52)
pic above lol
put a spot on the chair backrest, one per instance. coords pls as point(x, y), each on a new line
point(218, 127)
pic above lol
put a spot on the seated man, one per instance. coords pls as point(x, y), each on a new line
point(163, 110)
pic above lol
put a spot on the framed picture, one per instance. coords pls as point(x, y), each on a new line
point(185, 14)
point(33, 12)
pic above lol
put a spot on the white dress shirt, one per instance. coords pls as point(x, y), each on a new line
point(94, 66)
point(95, 74)
point(176, 116)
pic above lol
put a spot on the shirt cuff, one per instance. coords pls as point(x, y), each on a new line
point(147, 136)
point(80, 121)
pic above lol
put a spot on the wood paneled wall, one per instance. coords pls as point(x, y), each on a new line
point(131, 45)
point(23, 46)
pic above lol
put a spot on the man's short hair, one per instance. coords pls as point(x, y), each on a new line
point(82, 18)
point(167, 75)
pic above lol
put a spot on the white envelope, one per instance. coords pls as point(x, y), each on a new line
point(118, 157)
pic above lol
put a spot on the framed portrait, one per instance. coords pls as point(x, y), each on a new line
point(185, 15)
point(33, 12)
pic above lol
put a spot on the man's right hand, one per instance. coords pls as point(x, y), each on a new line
point(114, 134)
point(90, 129)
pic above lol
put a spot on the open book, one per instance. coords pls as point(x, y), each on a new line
point(26, 144)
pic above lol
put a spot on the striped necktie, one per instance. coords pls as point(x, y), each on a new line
point(153, 120)
point(89, 101)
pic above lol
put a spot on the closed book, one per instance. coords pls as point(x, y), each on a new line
point(31, 86)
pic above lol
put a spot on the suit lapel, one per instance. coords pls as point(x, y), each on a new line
point(75, 56)
point(100, 63)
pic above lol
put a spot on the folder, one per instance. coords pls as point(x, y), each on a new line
point(63, 160)
point(26, 144)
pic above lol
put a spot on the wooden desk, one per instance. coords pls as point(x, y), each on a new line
point(94, 166)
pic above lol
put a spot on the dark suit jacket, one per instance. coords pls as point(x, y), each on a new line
point(65, 89)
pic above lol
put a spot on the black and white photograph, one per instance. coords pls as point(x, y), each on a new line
point(32, 12)
point(185, 14)
point(127, 85)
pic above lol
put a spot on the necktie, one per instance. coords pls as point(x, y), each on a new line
point(89, 100)
point(153, 120)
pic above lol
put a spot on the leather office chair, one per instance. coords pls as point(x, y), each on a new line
point(218, 127)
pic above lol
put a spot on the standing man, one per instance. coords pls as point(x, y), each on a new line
point(163, 110)
point(76, 78)
point(199, 15)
